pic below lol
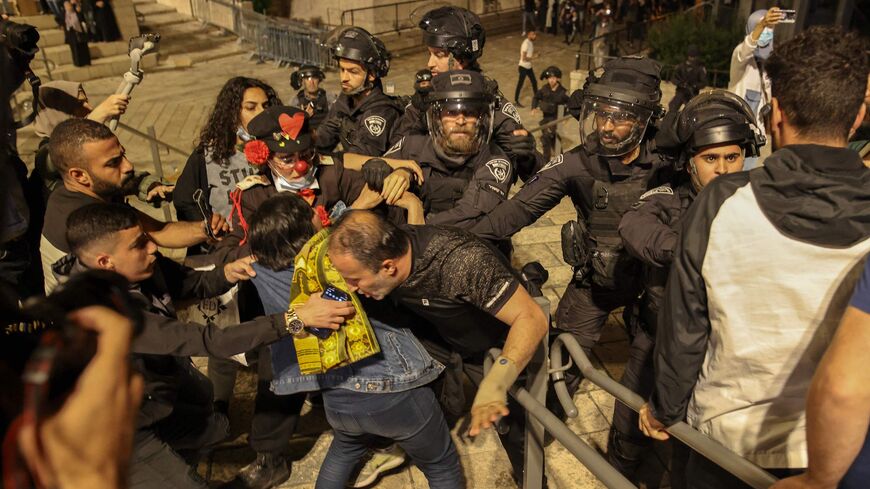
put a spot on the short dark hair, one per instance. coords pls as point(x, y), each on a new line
point(67, 139)
point(94, 222)
point(819, 77)
point(279, 229)
point(369, 238)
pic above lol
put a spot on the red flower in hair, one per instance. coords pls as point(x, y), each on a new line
point(257, 152)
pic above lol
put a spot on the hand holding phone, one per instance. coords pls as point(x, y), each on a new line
point(333, 294)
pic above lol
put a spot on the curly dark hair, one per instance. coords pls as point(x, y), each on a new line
point(218, 137)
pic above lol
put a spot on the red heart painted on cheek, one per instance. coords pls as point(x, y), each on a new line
point(291, 125)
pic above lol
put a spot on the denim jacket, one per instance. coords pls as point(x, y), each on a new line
point(402, 364)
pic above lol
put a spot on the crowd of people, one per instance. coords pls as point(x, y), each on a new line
point(365, 241)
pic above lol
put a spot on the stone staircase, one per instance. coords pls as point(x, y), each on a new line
point(184, 41)
point(107, 58)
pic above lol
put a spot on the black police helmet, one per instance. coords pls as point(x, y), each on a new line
point(305, 71)
point(356, 44)
point(629, 79)
point(551, 71)
point(456, 30)
point(712, 118)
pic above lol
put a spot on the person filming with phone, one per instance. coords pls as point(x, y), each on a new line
point(748, 78)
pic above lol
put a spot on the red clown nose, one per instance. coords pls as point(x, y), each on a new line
point(301, 167)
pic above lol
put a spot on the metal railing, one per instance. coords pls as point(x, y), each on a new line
point(741, 468)
point(282, 41)
point(396, 16)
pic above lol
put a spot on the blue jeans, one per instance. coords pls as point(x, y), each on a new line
point(412, 418)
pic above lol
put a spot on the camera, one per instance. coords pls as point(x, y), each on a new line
point(65, 349)
point(19, 40)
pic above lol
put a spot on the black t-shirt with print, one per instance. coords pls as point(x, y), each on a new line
point(458, 283)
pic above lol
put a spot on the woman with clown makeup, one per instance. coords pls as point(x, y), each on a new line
point(282, 146)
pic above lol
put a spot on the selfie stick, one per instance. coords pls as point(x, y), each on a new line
point(139, 46)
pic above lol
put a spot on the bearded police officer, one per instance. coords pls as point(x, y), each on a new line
point(547, 100)
point(710, 137)
point(604, 176)
point(465, 174)
point(455, 39)
point(310, 97)
point(363, 116)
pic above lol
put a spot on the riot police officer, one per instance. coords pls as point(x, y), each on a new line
point(615, 164)
point(466, 175)
point(547, 100)
point(310, 97)
point(711, 136)
point(363, 116)
point(455, 39)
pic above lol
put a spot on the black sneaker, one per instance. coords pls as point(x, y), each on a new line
point(267, 471)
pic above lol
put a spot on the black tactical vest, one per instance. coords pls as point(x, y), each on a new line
point(321, 106)
point(612, 267)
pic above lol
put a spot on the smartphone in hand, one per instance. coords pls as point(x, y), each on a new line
point(788, 16)
point(332, 294)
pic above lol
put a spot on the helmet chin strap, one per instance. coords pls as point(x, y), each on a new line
point(451, 62)
point(693, 174)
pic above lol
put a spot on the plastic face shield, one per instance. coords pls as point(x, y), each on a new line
point(612, 128)
point(460, 126)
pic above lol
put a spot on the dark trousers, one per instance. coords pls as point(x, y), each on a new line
point(525, 72)
point(584, 309)
point(681, 97)
point(548, 138)
point(275, 417)
point(411, 418)
point(164, 453)
point(701, 473)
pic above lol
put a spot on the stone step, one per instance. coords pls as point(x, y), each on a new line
point(153, 8)
point(61, 55)
point(186, 58)
point(39, 21)
point(110, 66)
point(143, 2)
point(49, 38)
point(155, 22)
point(190, 28)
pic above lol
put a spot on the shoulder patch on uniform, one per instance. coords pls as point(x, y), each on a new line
point(664, 190)
point(500, 169)
point(326, 160)
point(509, 110)
point(252, 181)
point(375, 124)
point(558, 160)
point(396, 147)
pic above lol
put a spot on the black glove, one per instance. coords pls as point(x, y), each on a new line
point(517, 146)
point(374, 172)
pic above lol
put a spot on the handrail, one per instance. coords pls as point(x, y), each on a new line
point(587, 455)
point(743, 469)
point(141, 134)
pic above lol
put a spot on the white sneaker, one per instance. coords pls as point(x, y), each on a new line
point(381, 461)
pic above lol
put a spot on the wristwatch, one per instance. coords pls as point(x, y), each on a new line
point(292, 322)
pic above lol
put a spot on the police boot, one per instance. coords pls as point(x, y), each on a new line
point(267, 471)
point(624, 454)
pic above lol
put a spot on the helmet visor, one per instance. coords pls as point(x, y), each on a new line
point(460, 126)
point(612, 128)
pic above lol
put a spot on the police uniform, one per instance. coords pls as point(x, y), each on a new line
point(457, 191)
point(549, 100)
point(321, 104)
point(690, 77)
point(362, 129)
point(362, 124)
point(650, 232)
point(459, 32)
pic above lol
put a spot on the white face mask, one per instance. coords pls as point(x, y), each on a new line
point(765, 37)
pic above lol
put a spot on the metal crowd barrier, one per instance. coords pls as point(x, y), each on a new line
point(281, 40)
point(743, 469)
point(533, 397)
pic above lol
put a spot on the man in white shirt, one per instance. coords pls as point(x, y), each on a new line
point(527, 54)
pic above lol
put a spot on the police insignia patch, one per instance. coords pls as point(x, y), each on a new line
point(509, 110)
point(500, 169)
point(375, 124)
point(396, 147)
point(554, 162)
point(664, 190)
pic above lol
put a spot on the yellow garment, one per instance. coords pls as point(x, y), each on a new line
point(354, 340)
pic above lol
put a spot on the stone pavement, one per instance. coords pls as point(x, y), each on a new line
point(176, 103)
